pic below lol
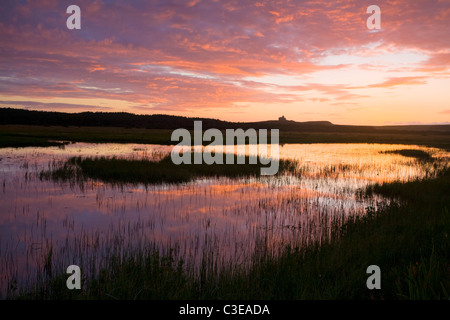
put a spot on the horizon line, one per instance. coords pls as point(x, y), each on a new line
point(217, 119)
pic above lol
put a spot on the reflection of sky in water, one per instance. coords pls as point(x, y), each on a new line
point(227, 218)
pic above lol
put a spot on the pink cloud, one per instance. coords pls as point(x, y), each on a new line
point(197, 54)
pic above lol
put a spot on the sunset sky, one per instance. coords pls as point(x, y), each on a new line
point(237, 60)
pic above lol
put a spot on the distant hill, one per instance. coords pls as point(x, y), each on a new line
point(161, 121)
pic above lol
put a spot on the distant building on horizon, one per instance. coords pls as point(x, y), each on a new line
point(282, 118)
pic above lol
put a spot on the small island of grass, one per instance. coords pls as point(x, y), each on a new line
point(118, 170)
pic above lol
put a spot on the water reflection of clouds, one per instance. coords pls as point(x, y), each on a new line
point(231, 217)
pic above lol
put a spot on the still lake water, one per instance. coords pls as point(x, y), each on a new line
point(220, 219)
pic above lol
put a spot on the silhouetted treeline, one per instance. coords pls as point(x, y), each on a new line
point(100, 119)
point(161, 121)
point(129, 120)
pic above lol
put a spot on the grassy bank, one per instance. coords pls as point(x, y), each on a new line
point(407, 239)
point(23, 135)
point(118, 171)
point(13, 141)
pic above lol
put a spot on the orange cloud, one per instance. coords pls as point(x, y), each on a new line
point(200, 54)
point(398, 81)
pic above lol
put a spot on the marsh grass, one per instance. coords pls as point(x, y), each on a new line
point(28, 135)
point(145, 171)
point(14, 141)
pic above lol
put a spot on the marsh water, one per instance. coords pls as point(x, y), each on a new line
point(227, 221)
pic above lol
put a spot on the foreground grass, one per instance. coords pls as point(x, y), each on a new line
point(23, 135)
point(407, 239)
point(118, 171)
